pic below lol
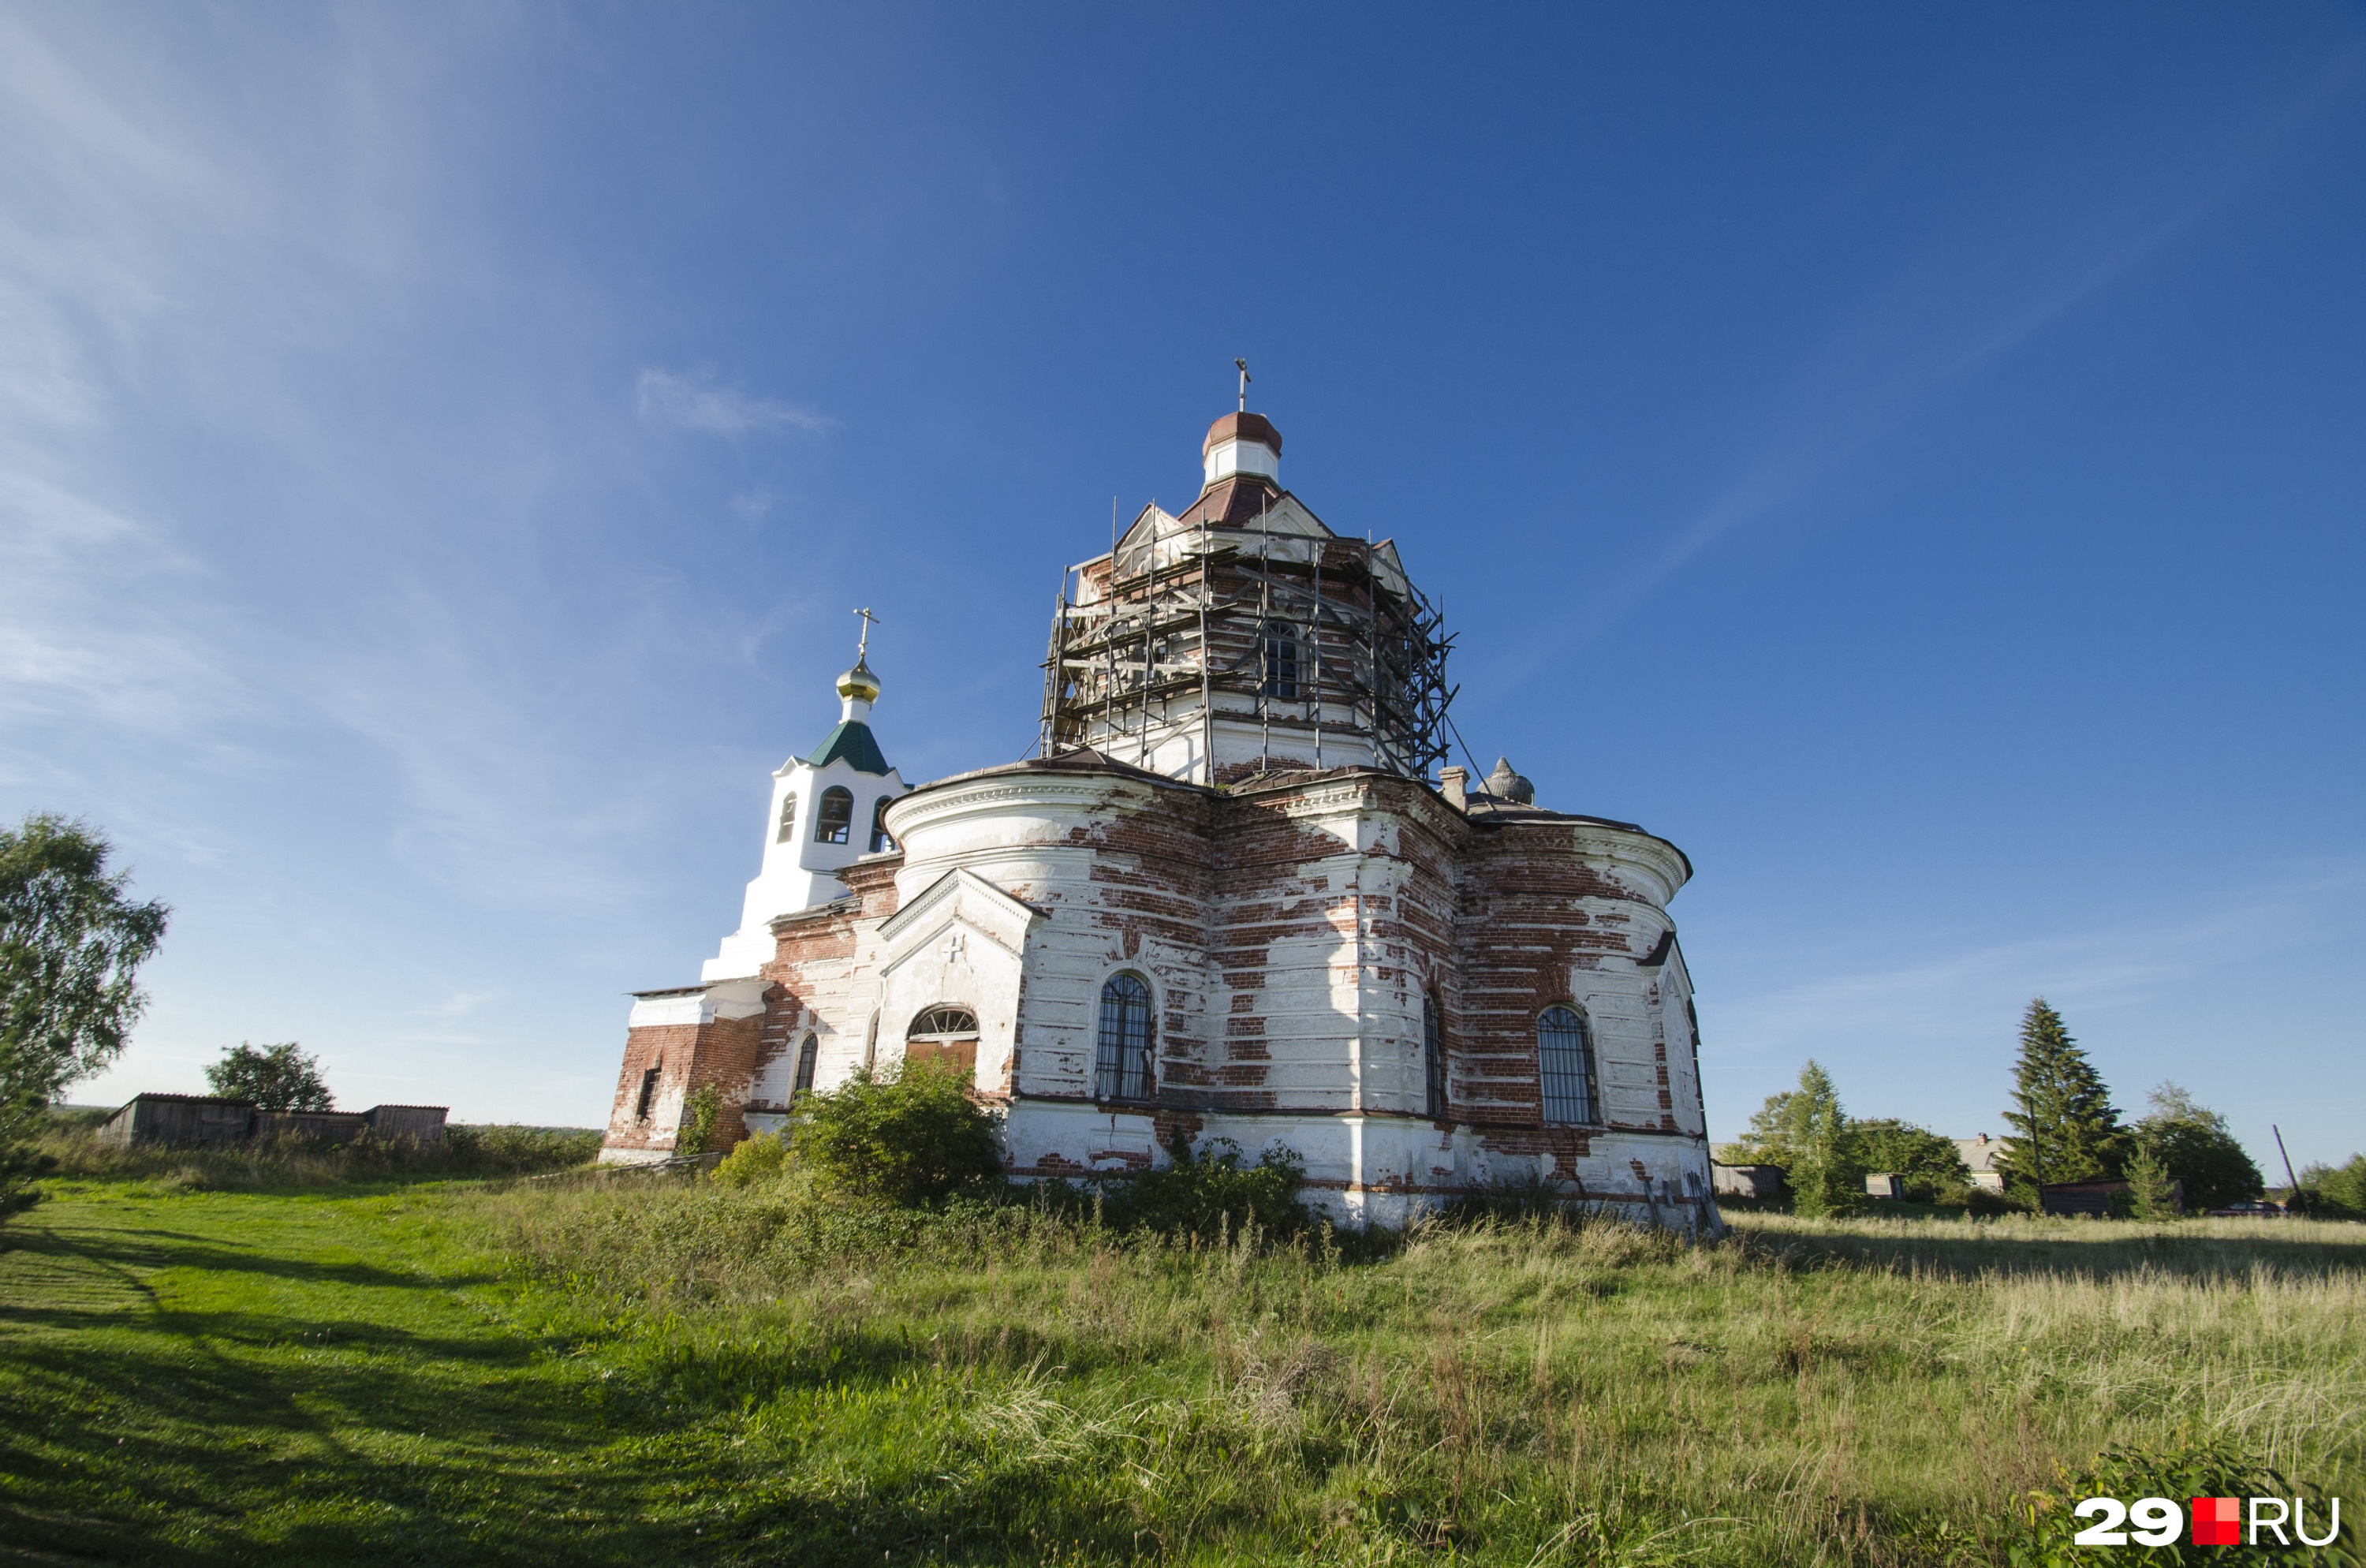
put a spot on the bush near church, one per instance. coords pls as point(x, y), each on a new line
point(912, 1136)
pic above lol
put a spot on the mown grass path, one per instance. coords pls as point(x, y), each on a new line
point(302, 1379)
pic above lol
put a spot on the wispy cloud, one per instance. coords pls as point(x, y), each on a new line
point(1950, 993)
point(693, 400)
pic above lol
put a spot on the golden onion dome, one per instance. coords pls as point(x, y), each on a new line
point(859, 683)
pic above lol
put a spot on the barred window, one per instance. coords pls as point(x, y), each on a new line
point(1433, 1057)
point(1280, 664)
point(788, 817)
point(1565, 1068)
point(807, 1055)
point(649, 1095)
point(880, 838)
point(1121, 1062)
point(836, 816)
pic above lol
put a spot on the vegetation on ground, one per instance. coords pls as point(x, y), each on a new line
point(467, 1150)
point(638, 1368)
point(72, 943)
point(276, 1077)
point(2336, 1191)
point(2193, 1144)
point(908, 1136)
point(2064, 1127)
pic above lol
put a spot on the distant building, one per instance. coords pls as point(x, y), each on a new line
point(1759, 1181)
point(1887, 1184)
point(1980, 1158)
point(1235, 895)
point(202, 1119)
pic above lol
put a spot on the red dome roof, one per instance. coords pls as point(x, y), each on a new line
point(1242, 428)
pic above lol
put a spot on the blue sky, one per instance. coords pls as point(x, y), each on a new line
point(1909, 457)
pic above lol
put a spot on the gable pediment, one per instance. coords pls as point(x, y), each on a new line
point(960, 897)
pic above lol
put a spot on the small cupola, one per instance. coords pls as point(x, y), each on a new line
point(857, 690)
point(1506, 785)
point(1242, 444)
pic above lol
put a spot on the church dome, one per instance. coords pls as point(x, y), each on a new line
point(1506, 785)
point(1241, 442)
point(858, 684)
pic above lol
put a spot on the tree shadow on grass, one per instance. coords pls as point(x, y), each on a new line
point(140, 1249)
point(2103, 1255)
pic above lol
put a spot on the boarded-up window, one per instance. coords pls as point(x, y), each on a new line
point(943, 1033)
point(1565, 1068)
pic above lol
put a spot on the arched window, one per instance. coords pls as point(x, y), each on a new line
point(880, 838)
point(1433, 1057)
point(807, 1055)
point(945, 1033)
point(1122, 1062)
point(1565, 1067)
point(836, 815)
point(1280, 663)
point(788, 818)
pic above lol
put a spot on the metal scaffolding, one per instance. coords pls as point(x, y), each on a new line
point(1311, 640)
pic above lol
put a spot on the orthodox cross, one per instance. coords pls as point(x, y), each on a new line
point(1245, 383)
point(869, 620)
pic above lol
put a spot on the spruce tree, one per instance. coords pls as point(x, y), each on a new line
point(2064, 1128)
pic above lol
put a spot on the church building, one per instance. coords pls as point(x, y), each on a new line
point(1240, 892)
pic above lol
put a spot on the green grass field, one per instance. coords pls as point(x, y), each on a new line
point(654, 1371)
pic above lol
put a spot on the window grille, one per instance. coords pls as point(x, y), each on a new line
point(1433, 1057)
point(836, 816)
point(788, 818)
point(648, 1094)
point(1121, 1062)
point(1281, 665)
point(1565, 1068)
point(807, 1055)
point(942, 1021)
point(880, 838)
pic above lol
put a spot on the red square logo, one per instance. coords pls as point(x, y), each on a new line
point(2217, 1521)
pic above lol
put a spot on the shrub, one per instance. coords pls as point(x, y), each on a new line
point(467, 1150)
point(913, 1137)
point(2336, 1191)
point(705, 1110)
point(1981, 1203)
point(2182, 1473)
point(759, 1158)
point(1212, 1193)
point(482, 1149)
point(2150, 1196)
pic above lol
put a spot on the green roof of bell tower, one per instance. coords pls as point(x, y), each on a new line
point(852, 741)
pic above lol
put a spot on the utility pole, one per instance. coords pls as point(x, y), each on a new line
point(2279, 1132)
